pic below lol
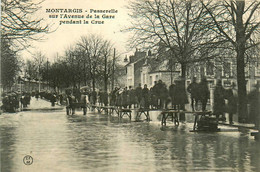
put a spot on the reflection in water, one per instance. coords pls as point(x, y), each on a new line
point(98, 142)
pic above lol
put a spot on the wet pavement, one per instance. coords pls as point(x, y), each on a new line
point(98, 142)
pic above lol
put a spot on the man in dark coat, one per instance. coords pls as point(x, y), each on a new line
point(100, 97)
point(181, 97)
point(172, 94)
point(131, 97)
point(193, 89)
point(113, 97)
point(69, 103)
point(77, 94)
point(219, 101)
point(53, 99)
point(232, 104)
point(138, 93)
point(145, 94)
point(124, 99)
point(203, 93)
point(254, 100)
point(118, 98)
point(83, 100)
point(180, 94)
point(162, 94)
point(94, 97)
point(153, 93)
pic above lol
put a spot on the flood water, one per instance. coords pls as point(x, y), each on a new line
point(98, 142)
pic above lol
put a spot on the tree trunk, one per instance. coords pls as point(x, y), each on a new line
point(183, 77)
point(105, 75)
point(113, 70)
point(93, 84)
point(93, 81)
point(183, 70)
point(85, 78)
point(241, 84)
point(240, 49)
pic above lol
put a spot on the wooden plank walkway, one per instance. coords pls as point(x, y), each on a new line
point(166, 113)
point(238, 125)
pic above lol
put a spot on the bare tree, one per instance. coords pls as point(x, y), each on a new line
point(9, 65)
point(19, 23)
point(30, 71)
point(92, 47)
point(39, 60)
point(237, 23)
point(176, 24)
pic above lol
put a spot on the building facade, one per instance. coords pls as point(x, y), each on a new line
point(145, 68)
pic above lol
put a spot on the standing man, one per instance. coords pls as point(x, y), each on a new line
point(131, 97)
point(94, 97)
point(124, 100)
point(113, 97)
point(145, 94)
point(153, 97)
point(219, 101)
point(254, 99)
point(232, 103)
point(138, 93)
point(162, 94)
point(203, 93)
point(193, 90)
point(77, 94)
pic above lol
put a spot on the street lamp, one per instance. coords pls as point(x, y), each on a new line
point(47, 74)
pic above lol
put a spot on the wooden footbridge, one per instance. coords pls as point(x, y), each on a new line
point(203, 120)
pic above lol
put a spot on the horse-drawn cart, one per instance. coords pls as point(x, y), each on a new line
point(75, 105)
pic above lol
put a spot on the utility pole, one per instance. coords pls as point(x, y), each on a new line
point(113, 69)
point(48, 74)
point(171, 70)
point(0, 83)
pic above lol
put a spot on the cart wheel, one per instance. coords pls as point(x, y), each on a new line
point(84, 111)
point(68, 111)
point(176, 122)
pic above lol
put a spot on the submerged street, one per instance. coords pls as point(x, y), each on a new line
point(99, 142)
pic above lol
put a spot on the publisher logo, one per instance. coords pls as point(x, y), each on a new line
point(27, 160)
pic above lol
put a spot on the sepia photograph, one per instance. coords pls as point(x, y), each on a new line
point(130, 86)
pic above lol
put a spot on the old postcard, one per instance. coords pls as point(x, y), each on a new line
point(129, 85)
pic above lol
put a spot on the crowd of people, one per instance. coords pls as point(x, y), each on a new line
point(174, 97)
point(16, 101)
point(157, 97)
point(13, 101)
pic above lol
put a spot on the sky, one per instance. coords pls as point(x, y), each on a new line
point(67, 34)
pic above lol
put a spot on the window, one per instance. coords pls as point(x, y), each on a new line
point(247, 71)
point(129, 70)
point(227, 69)
point(156, 77)
point(129, 82)
point(188, 72)
point(210, 68)
point(257, 70)
point(218, 71)
point(227, 83)
point(151, 80)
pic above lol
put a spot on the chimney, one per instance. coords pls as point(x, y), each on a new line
point(149, 53)
point(125, 60)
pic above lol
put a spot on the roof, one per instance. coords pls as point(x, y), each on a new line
point(135, 61)
point(163, 71)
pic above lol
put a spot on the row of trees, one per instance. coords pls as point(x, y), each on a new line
point(91, 61)
point(197, 30)
point(18, 26)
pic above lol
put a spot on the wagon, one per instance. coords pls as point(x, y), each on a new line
point(70, 109)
